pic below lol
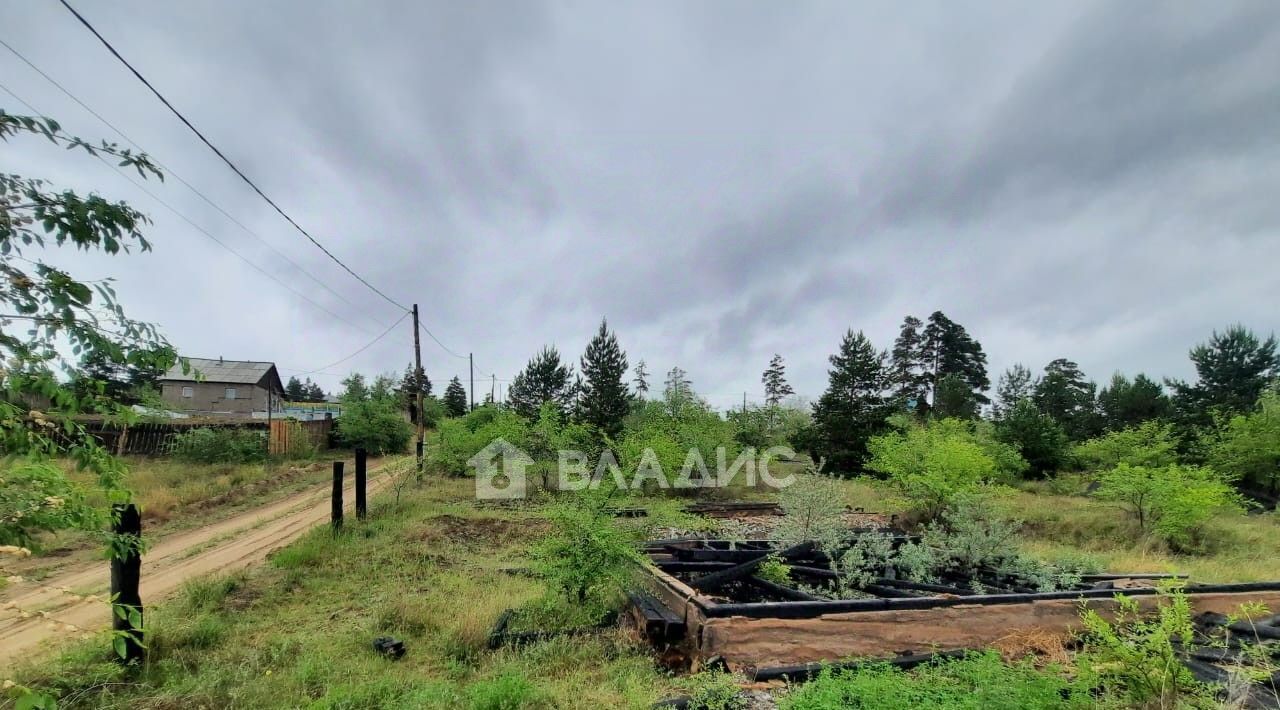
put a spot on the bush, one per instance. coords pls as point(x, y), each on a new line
point(672, 433)
point(979, 681)
point(1173, 502)
point(509, 691)
point(459, 438)
point(376, 425)
point(935, 464)
point(220, 445)
point(1151, 444)
point(35, 496)
point(1247, 448)
point(588, 557)
point(1135, 658)
point(1038, 438)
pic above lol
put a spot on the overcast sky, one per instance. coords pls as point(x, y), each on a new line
point(721, 180)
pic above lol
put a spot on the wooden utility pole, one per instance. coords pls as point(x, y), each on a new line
point(417, 388)
point(471, 363)
point(362, 499)
point(493, 387)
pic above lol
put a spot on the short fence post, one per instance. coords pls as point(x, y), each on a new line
point(126, 572)
point(337, 496)
point(362, 502)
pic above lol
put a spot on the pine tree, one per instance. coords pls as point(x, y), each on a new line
point(1232, 371)
point(948, 349)
point(907, 369)
point(312, 391)
point(605, 397)
point(641, 380)
point(855, 405)
point(1124, 403)
point(1064, 394)
point(775, 382)
point(293, 391)
point(455, 398)
point(955, 399)
point(677, 390)
point(1039, 438)
point(544, 379)
point(1015, 385)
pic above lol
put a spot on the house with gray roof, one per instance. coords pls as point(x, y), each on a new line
point(237, 388)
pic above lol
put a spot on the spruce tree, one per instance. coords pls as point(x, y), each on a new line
point(409, 388)
point(605, 397)
point(313, 391)
point(907, 369)
point(775, 382)
point(641, 380)
point(293, 391)
point(855, 404)
point(455, 398)
point(544, 379)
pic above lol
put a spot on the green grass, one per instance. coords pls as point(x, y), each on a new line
point(298, 632)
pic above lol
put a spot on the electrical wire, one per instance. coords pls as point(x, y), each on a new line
point(170, 171)
point(197, 227)
point(225, 159)
point(366, 347)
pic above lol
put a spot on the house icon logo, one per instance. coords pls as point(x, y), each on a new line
point(500, 481)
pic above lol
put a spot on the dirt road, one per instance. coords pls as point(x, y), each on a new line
point(74, 601)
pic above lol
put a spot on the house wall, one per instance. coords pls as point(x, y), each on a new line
point(209, 397)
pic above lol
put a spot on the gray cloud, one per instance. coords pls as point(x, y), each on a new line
point(722, 181)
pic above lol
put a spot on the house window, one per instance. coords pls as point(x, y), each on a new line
point(187, 393)
point(230, 393)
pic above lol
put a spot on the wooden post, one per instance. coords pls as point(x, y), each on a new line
point(126, 572)
point(336, 518)
point(471, 364)
point(361, 500)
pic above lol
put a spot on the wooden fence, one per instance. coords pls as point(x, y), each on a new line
point(156, 438)
point(292, 436)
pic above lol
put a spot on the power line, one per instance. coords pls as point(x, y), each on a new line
point(170, 171)
point(197, 227)
point(225, 159)
point(366, 347)
point(442, 345)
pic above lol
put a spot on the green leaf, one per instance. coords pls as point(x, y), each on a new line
point(119, 645)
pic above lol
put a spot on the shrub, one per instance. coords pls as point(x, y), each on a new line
point(587, 556)
point(459, 438)
point(220, 445)
point(672, 433)
point(977, 681)
point(1247, 447)
point(1135, 657)
point(1037, 437)
point(935, 464)
point(1173, 502)
point(716, 691)
point(813, 508)
point(35, 496)
point(1151, 443)
point(376, 425)
point(775, 570)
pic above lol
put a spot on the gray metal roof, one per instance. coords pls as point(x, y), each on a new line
point(239, 372)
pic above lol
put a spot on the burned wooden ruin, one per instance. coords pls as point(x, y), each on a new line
point(704, 602)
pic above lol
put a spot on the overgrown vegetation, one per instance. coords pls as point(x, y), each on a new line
point(372, 417)
point(220, 445)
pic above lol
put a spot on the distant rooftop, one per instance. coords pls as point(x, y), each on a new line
point(242, 372)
